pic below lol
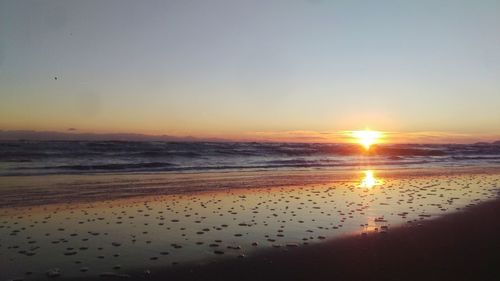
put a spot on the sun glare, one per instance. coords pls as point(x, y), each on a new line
point(367, 137)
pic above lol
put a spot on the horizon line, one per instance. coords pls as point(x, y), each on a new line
point(338, 137)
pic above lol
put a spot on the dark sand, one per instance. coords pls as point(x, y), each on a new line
point(460, 246)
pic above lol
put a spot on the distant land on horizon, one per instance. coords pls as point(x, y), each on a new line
point(11, 135)
point(77, 136)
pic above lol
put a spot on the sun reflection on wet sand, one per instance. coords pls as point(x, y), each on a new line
point(369, 180)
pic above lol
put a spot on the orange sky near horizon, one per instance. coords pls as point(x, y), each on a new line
point(341, 136)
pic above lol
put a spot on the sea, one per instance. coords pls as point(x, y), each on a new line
point(25, 158)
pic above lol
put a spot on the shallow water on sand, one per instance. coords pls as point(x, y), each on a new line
point(136, 234)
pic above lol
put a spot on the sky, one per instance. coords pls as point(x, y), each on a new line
point(252, 69)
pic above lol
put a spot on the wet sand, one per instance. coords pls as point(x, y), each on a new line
point(273, 232)
point(18, 191)
point(461, 246)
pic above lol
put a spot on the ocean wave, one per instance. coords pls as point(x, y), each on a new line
point(127, 166)
point(39, 157)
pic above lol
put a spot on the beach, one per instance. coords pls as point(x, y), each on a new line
point(461, 246)
point(264, 225)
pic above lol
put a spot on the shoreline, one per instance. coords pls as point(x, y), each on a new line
point(19, 192)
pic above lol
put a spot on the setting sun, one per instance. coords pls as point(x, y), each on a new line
point(367, 137)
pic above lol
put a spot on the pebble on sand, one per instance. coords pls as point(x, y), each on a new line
point(54, 272)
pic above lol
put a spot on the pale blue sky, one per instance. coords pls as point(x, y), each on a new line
point(232, 67)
